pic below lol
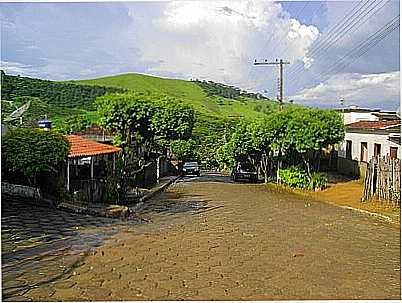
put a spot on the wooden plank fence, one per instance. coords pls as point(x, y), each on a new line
point(383, 180)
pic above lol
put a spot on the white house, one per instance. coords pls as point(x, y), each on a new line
point(368, 133)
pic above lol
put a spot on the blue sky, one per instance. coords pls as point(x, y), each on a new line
point(215, 40)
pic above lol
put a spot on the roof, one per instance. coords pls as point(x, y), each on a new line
point(356, 109)
point(81, 147)
point(374, 124)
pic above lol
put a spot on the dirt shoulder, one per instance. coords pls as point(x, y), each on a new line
point(345, 192)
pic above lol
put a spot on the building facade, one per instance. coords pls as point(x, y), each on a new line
point(369, 133)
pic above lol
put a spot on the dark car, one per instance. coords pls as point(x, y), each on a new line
point(245, 171)
point(191, 168)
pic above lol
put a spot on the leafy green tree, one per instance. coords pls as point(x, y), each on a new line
point(183, 149)
point(129, 115)
point(172, 119)
point(74, 124)
point(32, 150)
point(146, 119)
point(311, 130)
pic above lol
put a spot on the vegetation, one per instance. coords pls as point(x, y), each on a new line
point(57, 94)
point(31, 151)
point(218, 89)
point(148, 120)
point(183, 149)
point(74, 124)
point(297, 177)
point(294, 135)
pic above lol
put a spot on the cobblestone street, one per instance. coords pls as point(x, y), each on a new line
point(209, 238)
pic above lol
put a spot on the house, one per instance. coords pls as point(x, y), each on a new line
point(369, 133)
point(87, 165)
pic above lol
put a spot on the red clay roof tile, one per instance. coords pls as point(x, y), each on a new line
point(81, 147)
point(374, 124)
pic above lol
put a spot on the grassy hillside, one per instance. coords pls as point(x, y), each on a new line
point(190, 93)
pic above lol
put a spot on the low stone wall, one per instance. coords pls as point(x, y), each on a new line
point(20, 190)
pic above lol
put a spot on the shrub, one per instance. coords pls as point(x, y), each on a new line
point(318, 180)
point(296, 177)
point(32, 151)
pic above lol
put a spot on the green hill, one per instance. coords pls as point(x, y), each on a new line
point(189, 92)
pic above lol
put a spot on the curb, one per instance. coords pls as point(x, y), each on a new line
point(153, 193)
point(386, 218)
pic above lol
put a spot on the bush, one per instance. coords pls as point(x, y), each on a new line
point(318, 180)
point(296, 177)
point(31, 151)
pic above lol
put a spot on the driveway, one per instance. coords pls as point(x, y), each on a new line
point(209, 238)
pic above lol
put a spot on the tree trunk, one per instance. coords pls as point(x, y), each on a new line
point(307, 163)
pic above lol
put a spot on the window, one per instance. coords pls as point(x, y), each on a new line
point(363, 151)
point(393, 152)
point(348, 149)
point(377, 149)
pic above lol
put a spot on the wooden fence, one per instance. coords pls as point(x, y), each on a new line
point(383, 180)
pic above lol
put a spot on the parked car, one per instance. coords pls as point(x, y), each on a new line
point(191, 168)
point(244, 171)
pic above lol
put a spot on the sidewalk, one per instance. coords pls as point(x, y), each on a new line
point(115, 210)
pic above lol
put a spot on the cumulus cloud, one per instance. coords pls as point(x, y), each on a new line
point(356, 89)
point(17, 68)
point(219, 40)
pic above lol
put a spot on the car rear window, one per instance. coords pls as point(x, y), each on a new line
point(190, 164)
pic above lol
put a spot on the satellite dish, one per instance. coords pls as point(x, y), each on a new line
point(18, 112)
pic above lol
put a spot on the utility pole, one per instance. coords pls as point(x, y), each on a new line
point(280, 63)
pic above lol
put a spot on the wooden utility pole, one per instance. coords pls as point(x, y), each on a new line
point(280, 63)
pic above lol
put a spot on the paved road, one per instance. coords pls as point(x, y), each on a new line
point(40, 243)
point(213, 239)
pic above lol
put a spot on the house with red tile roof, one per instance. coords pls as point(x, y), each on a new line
point(87, 166)
point(368, 134)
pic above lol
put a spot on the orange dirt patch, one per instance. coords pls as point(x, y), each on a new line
point(349, 193)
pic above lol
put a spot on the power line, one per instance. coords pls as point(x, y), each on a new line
point(335, 27)
point(280, 64)
point(365, 17)
point(365, 46)
point(281, 42)
point(362, 48)
point(334, 37)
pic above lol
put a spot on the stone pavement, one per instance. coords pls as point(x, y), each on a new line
point(40, 243)
point(212, 239)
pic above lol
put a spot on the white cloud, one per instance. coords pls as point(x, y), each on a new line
point(363, 90)
point(10, 67)
point(219, 40)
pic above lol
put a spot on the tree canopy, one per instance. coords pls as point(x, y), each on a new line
point(33, 150)
point(145, 118)
point(299, 132)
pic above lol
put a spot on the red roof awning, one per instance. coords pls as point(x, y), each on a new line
point(81, 147)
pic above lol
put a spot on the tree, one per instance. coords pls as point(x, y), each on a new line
point(183, 149)
point(146, 118)
point(74, 124)
point(32, 150)
point(129, 115)
point(312, 130)
point(172, 119)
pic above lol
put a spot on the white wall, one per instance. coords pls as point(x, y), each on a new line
point(355, 117)
point(357, 138)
